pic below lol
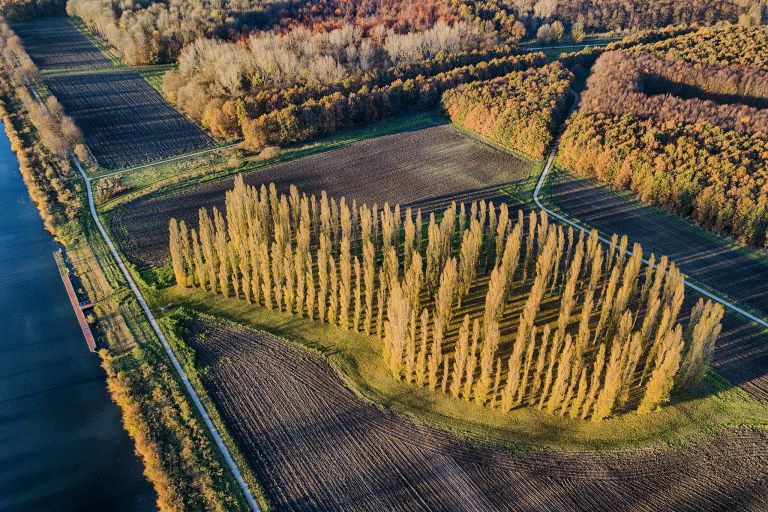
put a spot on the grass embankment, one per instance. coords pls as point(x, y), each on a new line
point(178, 455)
point(356, 358)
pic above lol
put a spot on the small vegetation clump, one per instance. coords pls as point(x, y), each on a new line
point(503, 311)
point(521, 110)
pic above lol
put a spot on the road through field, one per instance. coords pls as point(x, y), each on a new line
point(168, 350)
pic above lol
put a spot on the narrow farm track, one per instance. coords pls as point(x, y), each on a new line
point(168, 350)
point(315, 445)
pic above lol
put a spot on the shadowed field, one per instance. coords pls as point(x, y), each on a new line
point(125, 121)
point(316, 446)
point(55, 43)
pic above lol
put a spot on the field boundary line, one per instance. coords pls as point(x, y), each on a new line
point(692, 285)
point(166, 161)
point(168, 350)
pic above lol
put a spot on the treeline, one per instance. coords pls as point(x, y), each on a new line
point(201, 92)
point(489, 306)
point(521, 110)
point(600, 15)
point(400, 16)
point(732, 97)
point(520, 19)
point(43, 163)
point(172, 443)
point(315, 118)
point(155, 32)
point(21, 10)
point(722, 45)
point(713, 176)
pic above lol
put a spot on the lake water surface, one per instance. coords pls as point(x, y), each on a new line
point(62, 446)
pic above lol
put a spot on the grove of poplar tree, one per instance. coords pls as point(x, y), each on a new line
point(499, 308)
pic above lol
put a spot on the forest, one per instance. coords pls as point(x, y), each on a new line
point(681, 122)
point(723, 45)
point(732, 97)
point(521, 110)
point(20, 10)
point(713, 176)
point(490, 306)
point(156, 32)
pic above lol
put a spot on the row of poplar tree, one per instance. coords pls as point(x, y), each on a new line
point(501, 310)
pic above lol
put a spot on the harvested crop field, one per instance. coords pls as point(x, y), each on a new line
point(315, 445)
point(417, 167)
point(55, 44)
point(125, 121)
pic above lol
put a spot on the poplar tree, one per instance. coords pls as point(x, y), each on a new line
point(369, 274)
point(704, 327)
point(436, 352)
point(460, 357)
point(421, 360)
point(358, 295)
point(661, 380)
point(488, 350)
point(177, 258)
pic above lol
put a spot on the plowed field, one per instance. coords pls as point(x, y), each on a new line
point(316, 446)
point(54, 43)
point(124, 120)
point(419, 166)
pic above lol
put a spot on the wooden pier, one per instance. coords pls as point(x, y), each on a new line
point(78, 306)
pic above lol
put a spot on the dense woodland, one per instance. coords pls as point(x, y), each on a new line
point(713, 176)
point(20, 10)
point(489, 306)
point(732, 97)
point(723, 45)
point(682, 133)
point(521, 110)
point(154, 32)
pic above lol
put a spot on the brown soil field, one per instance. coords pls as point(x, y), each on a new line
point(55, 43)
point(416, 167)
point(742, 350)
point(315, 445)
point(125, 121)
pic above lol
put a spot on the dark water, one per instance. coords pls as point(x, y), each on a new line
point(62, 447)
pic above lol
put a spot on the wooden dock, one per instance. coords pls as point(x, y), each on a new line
point(76, 304)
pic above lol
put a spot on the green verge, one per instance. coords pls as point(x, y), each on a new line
point(715, 405)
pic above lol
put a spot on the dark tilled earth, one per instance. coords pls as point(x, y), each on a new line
point(55, 43)
point(125, 121)
point(316, 446)
point(421, 166)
